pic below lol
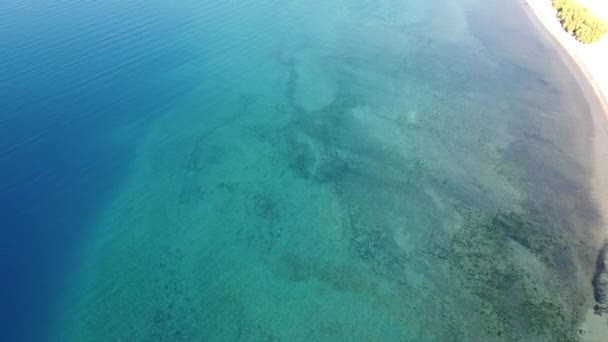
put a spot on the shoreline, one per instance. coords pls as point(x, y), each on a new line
point(585, 63)
point(590, 59)
point(596, 97)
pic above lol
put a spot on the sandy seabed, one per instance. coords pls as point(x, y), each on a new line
point(343, 172)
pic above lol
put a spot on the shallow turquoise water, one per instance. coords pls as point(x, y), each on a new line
point(337, 170)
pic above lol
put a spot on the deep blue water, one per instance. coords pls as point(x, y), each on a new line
point(72, 73)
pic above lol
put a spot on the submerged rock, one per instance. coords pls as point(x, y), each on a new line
point(600, 281)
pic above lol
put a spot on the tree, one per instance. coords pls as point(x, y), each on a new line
point(579, 21)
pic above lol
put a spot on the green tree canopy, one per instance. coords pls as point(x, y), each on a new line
point(579, 21)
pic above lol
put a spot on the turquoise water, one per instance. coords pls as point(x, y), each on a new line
point(311, 170)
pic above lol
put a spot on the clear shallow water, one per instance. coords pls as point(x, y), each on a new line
point(289, 170)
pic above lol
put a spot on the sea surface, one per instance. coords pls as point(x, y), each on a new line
point(289, 170)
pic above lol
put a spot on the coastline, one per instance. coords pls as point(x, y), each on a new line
point(589, 58)
point(593, 78)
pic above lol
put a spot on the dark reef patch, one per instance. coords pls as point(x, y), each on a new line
point(600, 281)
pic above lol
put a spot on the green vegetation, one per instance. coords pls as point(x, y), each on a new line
point(579, 21)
